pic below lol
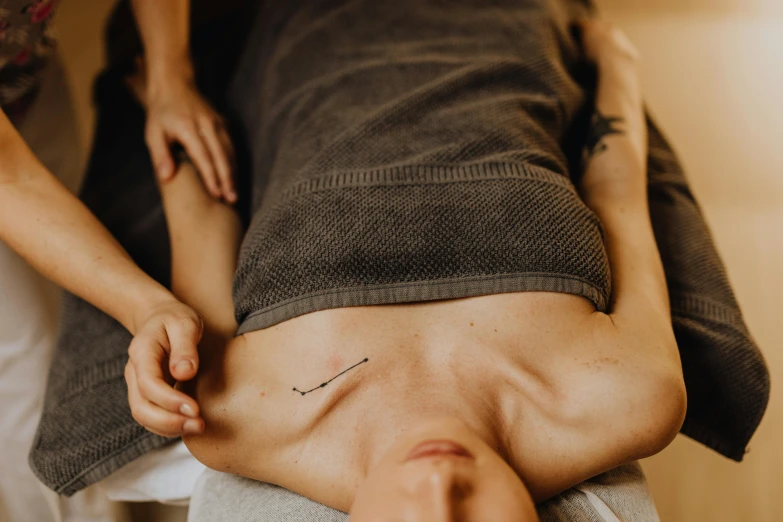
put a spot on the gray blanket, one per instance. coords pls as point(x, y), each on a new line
point(400, 150)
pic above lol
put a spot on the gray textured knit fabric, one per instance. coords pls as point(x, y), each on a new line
point(401, 150)
point(622, 491)
point(220, 497)
point(417, 157)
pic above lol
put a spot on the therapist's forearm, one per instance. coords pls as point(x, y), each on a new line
point(165, 32)
point(49, 227)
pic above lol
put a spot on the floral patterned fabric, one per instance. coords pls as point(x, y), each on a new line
point(26, 43)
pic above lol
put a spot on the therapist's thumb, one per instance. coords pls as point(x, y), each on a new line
point(184, 334)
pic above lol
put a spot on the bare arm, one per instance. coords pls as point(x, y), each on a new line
point(205, 235)
point(176, 112)
point(614, 186)
point(643, 396)
point(623, 396)
point(59, 236)
point(48, 226)
point(165, 32)
point(615, 182)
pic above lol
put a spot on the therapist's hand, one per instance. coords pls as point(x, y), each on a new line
point(164, 350)
point(177, 113)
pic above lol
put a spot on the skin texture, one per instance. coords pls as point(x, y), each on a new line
point(538, 388)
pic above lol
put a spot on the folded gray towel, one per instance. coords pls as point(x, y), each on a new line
point(402, 150)
point(219, 497)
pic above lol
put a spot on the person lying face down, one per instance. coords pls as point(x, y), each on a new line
point(464, 409)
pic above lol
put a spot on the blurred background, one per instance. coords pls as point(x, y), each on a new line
point(713, 78)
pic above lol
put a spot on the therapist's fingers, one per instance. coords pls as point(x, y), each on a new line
point(226, 143)
point(192, 139)
point(153, 417)
point(148, 356)
point(159, 151)
point(216, 139)
point(184, 334)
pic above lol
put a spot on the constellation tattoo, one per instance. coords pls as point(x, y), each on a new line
point(322, 385)
point(600, 126)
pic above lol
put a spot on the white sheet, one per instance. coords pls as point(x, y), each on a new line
point(167, 475)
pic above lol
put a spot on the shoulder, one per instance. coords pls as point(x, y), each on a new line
point(254, 424)
point(626, 386)
point(239, 422)
point(620, 398)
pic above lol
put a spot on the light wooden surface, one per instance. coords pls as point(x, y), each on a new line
point(713, 76)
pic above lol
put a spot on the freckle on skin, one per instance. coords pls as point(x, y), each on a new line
point(335, 363)
point(471, 324)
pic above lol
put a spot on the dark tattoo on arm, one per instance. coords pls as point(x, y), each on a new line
point(600, 126)
point(303, 393)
